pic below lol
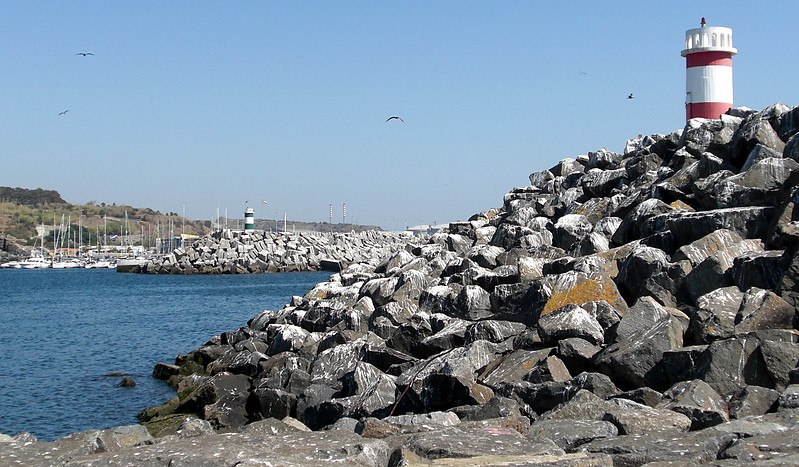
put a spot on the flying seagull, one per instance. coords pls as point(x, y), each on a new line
point(84, 53)
point(397, 117)
point(63, 113)
point(631, 96)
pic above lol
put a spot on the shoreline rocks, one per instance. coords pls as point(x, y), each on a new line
point(622, 309)
point(247, 252)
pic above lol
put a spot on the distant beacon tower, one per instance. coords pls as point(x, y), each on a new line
point(708, 58)
point(249, 219)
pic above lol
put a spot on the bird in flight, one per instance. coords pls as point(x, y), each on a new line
point(63, 113)
point(397, 117)
point(84, 53)
point(631, 96)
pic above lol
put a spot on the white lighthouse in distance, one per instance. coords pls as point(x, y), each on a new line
point(708, 57)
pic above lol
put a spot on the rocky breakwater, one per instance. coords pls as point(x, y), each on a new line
point(243, 252)
point(622, 309)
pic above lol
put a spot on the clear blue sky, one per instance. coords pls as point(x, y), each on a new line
point(209, 104)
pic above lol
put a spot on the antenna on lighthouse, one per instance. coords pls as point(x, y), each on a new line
point(708, 77)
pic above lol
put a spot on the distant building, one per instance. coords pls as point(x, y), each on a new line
point(426, 229)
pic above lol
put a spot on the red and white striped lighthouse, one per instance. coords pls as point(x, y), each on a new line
point(708, 57)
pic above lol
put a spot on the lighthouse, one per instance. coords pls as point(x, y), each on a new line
point(249, 219)
point(708, 76)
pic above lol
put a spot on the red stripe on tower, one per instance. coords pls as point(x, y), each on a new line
point(708, 85)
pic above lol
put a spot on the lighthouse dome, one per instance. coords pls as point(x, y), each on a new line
point(708, 39)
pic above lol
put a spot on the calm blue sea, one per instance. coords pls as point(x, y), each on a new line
point(62, 330)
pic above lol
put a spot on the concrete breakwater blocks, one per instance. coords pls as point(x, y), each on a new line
point(622, 309)
point(245, 252)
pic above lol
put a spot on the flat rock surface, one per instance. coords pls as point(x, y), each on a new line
point(693, 448)
point(285, 449)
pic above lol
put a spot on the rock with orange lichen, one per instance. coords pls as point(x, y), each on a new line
point(576, 288)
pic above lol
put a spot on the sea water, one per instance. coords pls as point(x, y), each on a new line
point(62, 331)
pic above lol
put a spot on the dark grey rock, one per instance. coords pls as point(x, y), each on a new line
point(543, 397)
point(514, 366)
point(789, 399)
point(569, 321)
point(763, 309)
point(268, 402)
point(752, 400)
point(448, 379)
point(344, 424)
point(647, 271)
point(331, 364)
point(576, 353)
point(701, 249)
point(748, 222)
point(453, 334)
point(567, 167)
point(473, 303)
point(379, 290)
point(698, 401)
point(549, 369)
point(569, 435)
point(642, 315)
point(286, 338)
point(516, 302)
point(497, 407)
point(789, 283)
point(592, 243)
point(760, 185)
point(439, 298)
point(582, 405)
point(761, 448)
point(290, 448)
point(780, 358)
point(634, 418)
point(72, 449)
point(471, 443)
point(692, 448)
point(631, 227)
point(603, 159)
point(600, 183)
point(606, 315)
point(754, 130)
point(702, 135)
point(371, 392)
point(409, 337)
point(757, 154)
point(494, 330)
point(715, 314)
point(730, 364)
point(570, 229)
point(634, 361)
point(221, 400)
point(540, 179)
point(194, 427)
point(644, 395)
point(713, 272)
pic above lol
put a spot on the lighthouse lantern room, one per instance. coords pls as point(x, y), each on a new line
point(708, 56)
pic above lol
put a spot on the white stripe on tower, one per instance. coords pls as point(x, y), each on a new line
point(249, 219)
point(708, 79)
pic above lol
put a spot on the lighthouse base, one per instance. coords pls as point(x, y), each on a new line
point(711, 110)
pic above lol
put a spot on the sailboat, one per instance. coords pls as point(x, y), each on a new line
point(36, 260)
